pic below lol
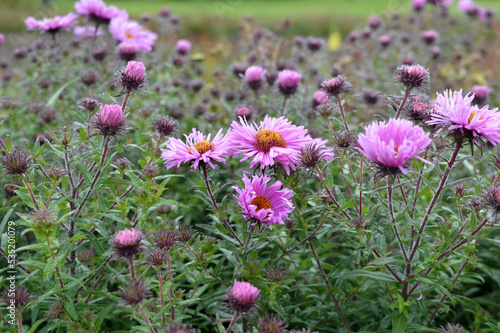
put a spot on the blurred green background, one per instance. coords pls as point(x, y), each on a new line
point(221, 16)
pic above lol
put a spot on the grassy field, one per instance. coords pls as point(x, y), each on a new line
point(314, 15)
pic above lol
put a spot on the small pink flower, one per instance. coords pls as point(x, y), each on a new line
point(242, 296)
point(52, 25)
point(124, 30)
point(319, 98)
point(197, 149)
point(430, 36)
point(165, 12)
point(111, 115)
point(253, 76)
point(183, 46)
point(467, 6)
point(418, 5)
point(127, 242)
point(374, 22)
point(481, 93)
point(288, 81)
point(98, 11)
point(2, 38)
point(135, 70)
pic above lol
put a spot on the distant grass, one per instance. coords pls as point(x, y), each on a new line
point(215, 16)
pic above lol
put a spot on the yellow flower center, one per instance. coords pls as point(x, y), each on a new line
point(202, 147)
point(473, 114)
point(266, 139)
point(129, 36)
point(396, 148)
point(261, 202)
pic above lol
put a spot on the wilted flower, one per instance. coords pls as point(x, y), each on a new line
point(122, 163)
point(242, 297)
point(56, 310)
point(16, 162)
point(336, 86)
point(19, 299)
point(165, 239)
point(464, 120)
point(127, 243)
point(413, 76)
point(134, 292)
point(180, 328)
point(198, 148)
point(288, 81)
point(156, 257)
point(185, 233)
point(55, 173)
point(393, 144)
point(262, 203)
point(271, 324)
point(274, 140)
point(276, 273)
point(183, 46)
point(165, 125)
point(312, 153)
point(52, 25)
point(492, 198)
point(449, 328)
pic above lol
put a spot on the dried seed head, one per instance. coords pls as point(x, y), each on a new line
point(459, 190)
point(56, 310)
point(325, 110)
point(492, 199)
point(150, 171)
point(89, 103)
point(86, 255)
point(311, 154)
point(156, 257)
point(336, 86)
point(165, 239)
point(449, 328)
point(165, 125)
point(344, 139)
point(16, 162)
point(134, 292)
point(19, 298)
point(276, 273)
point(180, 328)
point(413, 76)
point(55, 173)
point(185, 233)
point(271, 324)
point(89, 77)
point(44, 218)
point(122, 163)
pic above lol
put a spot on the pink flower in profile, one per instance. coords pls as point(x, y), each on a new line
point(319, 98)
point(393, 144)
point(127, 243)
point(98, 11)
point(262, 203)
point(464, 120)
point(2, 38)
point(253, 76)
point(183, 46)
point(242, 296)
point(485, 14)
point(288, 81)
point(52, 25)
point(430, 36)
point(124, 30)
point(87, 31)
point(467, 6)
point(128, 50)
point(197, 149)
point(274, 140)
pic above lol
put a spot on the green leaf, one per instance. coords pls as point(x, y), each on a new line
point(399, 323)
point(54, 97)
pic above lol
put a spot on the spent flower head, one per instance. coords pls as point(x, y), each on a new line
point(16, 162)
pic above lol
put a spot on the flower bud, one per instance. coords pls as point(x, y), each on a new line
point(127, 243)
point(242, 297)
point(253, 76)
point(336, 86)
point(111, 115)
point(288, 81)
point(183, 46)
point(414, 76)
point(16, 162)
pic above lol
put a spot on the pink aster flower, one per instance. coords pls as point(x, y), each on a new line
point(98, 11)
point(198, 148)
point(2, 38)
point(242, 296)
point(262, 203)
point(467, 6)
point(481, 93)
point(274, 140)
point(127, 242)
point(183, 46)
point(418, 4)
point(87, 31)
point(288, 81)
point(253, 76)
point(319, 98)
point(393, 144)
point(124, 30)
point(52, 25)
point(458, 115)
